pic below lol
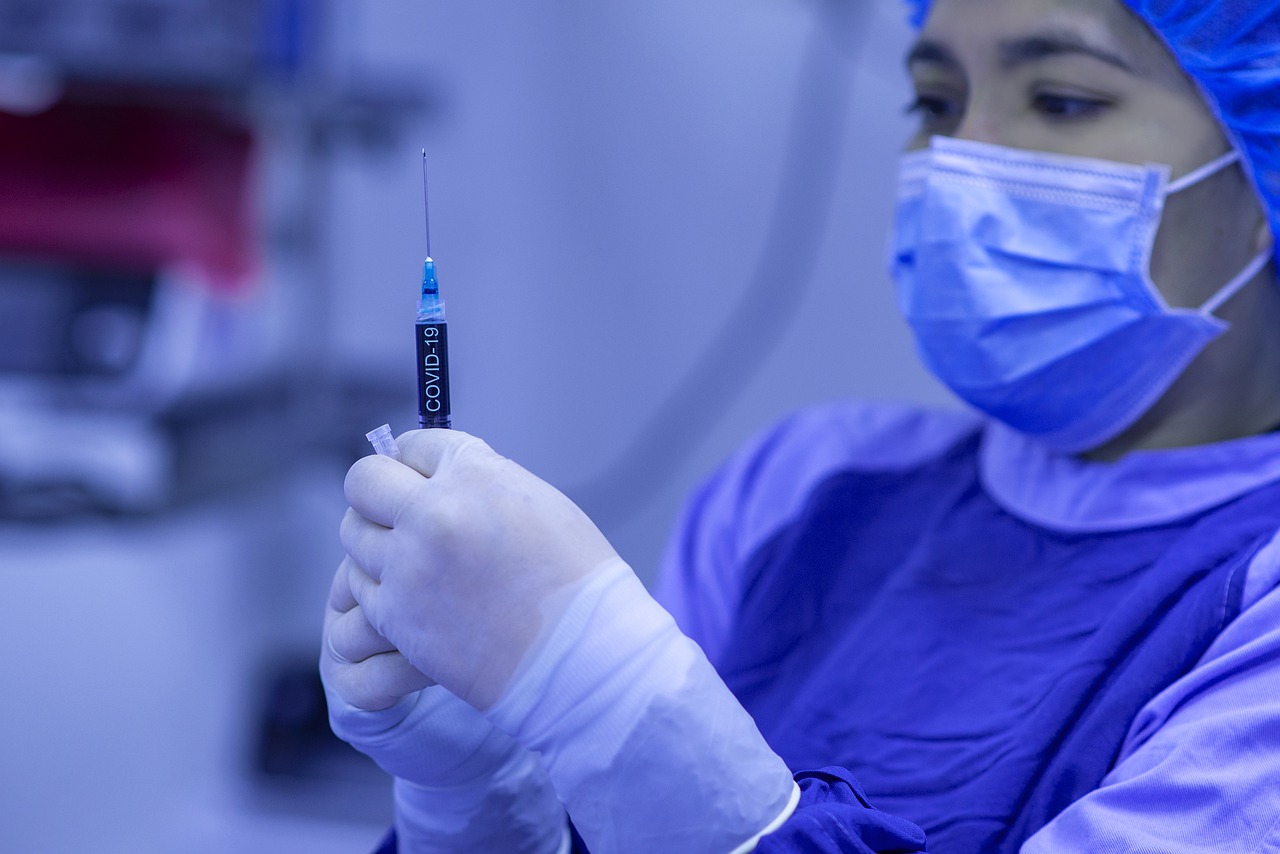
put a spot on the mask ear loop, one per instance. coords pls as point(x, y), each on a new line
point(1195, 176)
point(1238, 281)
point(1255, 265)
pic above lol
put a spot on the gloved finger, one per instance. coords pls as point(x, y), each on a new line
point(364, 588)
point(340, 598)
point(366, 543)
point(352, 639)
point(377, 487)
point(429, 451)
point(376, 683)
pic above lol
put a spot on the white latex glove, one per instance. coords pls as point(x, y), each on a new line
point(496, 585)
point(358, 665)
point(457, 554)
point(461, 784)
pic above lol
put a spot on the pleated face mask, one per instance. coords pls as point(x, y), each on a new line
point(1024, 276)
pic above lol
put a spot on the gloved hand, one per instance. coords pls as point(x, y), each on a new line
point(357, 664)
point(457, 562)
point(496, 585)
point(461, 784)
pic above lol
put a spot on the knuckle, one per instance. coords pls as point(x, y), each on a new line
point(349, 527)
point(352, 685)
point(356, 475)
point(469, 444)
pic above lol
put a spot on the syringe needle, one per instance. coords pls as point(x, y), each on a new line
point(433, 336)
point(426, 211)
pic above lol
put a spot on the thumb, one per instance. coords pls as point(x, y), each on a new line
point(429, 452)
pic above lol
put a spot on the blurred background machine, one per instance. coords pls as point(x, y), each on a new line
point(170, 422)
point(163, 270)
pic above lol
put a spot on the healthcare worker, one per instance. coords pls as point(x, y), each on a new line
point(1049, 626)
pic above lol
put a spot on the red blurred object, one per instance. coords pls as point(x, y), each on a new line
point(129, 187)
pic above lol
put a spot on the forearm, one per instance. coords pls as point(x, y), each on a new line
point(514, 810)
point(645, 746)
point(461, 784)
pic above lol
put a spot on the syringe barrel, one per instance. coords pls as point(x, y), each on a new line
point(433, 374)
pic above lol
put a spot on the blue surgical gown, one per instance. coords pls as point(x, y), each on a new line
point(941, 626)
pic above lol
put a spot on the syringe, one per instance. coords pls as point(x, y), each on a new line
point(433, 336)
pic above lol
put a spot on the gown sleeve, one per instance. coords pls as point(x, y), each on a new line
point(1198, 771)
point(835, 817)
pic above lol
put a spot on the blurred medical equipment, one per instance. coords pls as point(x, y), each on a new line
point(432, 332)
point(127, 248)
point(155, 301)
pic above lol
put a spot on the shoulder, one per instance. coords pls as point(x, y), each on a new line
point(766, 483)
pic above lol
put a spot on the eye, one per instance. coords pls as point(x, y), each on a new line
point(1058, 106)
point(935, 110)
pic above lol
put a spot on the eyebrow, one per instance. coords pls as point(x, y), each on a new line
point(1021, 51)
point(1046, 45)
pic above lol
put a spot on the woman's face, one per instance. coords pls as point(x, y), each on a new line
point(1088, 78)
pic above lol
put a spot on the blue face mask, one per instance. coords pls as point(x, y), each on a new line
point(1024, 276)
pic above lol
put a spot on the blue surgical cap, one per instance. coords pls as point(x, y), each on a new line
point(1231, 48)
